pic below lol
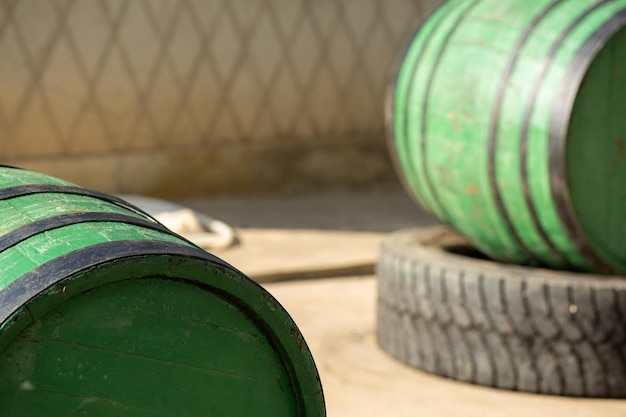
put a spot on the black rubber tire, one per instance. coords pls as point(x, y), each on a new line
point(446, 311)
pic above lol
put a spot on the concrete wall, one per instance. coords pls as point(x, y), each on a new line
point(180, 97)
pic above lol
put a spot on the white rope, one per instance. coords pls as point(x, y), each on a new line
point(204, 231)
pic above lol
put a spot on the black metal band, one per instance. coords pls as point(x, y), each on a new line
point(425, 102)
point(390, 108)
point(559, 123)
point(28, 189)
point(493, 144)
point(530, 105)
point(31, 229)
point(28, 286)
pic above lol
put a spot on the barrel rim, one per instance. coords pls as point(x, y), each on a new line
point(558, 128)
point(57, 281)
point(40, 279)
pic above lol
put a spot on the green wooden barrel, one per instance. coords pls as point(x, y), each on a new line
point(506, 121)
point(104, 312)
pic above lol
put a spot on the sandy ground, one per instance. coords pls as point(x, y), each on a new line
point(337, 318)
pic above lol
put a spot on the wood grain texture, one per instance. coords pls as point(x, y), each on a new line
point(486, 103)
point(149, 345)
point(114, 315)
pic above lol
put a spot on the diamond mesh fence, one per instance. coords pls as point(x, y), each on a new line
point(111, 77)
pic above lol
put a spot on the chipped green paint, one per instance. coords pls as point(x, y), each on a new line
point(144, 324)
point(506, 122)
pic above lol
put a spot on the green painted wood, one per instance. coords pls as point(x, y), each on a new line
point(123, 318)
point(596, 168)
point(194, 347)
point(491, 131)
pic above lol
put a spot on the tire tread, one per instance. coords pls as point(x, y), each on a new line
point(502, 326)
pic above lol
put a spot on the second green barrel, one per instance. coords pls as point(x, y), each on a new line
point(507, 122)
point(104, 312)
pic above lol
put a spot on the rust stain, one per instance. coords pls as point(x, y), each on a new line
point(620, 154)
point(472, 189)
point(295, 334)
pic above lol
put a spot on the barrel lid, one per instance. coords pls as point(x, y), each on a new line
point(153, 328)
point(591, 155)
